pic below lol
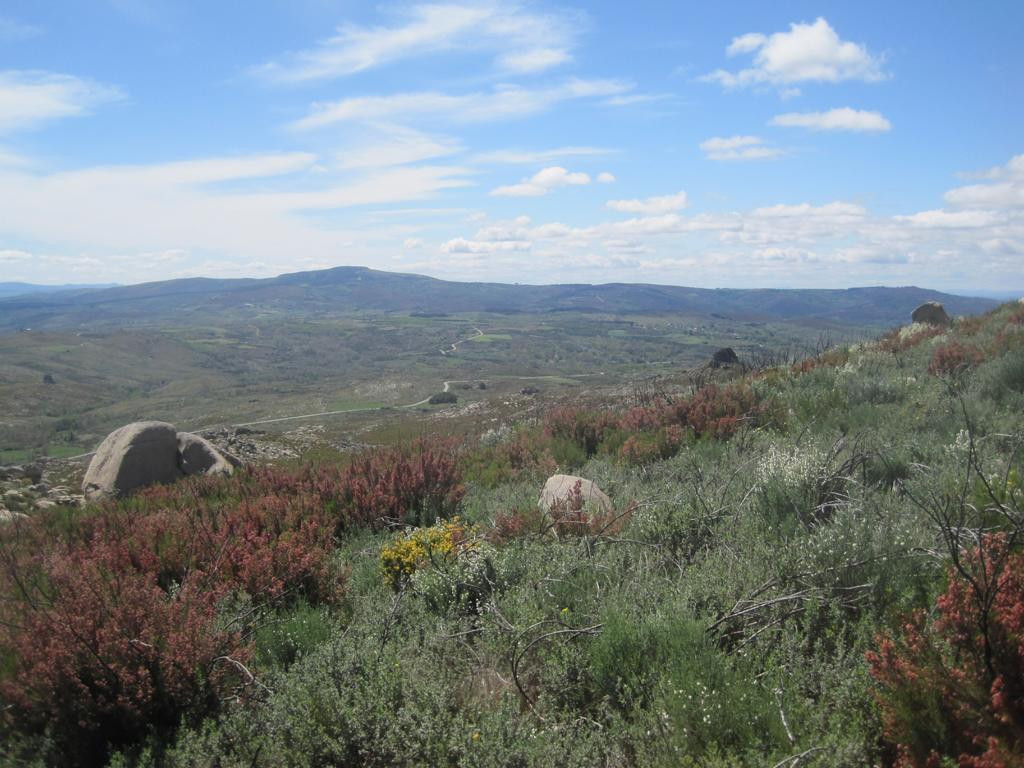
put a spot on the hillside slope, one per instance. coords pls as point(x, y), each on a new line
point(817, 563)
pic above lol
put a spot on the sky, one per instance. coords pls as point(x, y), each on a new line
point(731, 144)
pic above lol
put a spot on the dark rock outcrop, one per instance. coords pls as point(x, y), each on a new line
point(931, 312)
point(724, 356)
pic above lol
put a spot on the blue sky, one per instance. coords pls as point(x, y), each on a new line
point(729, 144)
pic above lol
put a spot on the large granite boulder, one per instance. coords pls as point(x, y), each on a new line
point(931, 312)
point(136, 455)
point(560, 489)
point(150, 452)
point(198, 456)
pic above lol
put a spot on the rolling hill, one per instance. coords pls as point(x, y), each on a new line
point(344, 289)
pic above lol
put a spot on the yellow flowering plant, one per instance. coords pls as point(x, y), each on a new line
point(417, 548)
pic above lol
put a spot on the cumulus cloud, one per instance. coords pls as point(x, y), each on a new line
point(1003, 190)
point(739, 148)
point(842, 119)
point(806, 53)
point(521, 41)
point(604, 177)
point(501, 103)
point(650, 206)
point(950, 219)
point(461, 245)
point(542, 182)
point(29, 98)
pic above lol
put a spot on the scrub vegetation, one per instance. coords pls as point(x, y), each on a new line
point(814, 563)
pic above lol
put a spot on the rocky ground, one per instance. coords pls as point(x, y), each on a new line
point(29, 487)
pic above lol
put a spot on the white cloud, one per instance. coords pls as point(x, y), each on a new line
point(28, 98)
point(396, 145)
point(501, 103)
point(604, 177)
point(522, 41)
point(802, 210)
point(525, 157)
point(413, 243)
point(842, 119)
point(535, 60)
point(1005, 190)
point(252, 207)
point(650, 206)
point(739, 148)
point(542, 182)
point(950, 219)
point(806, 53)
point(461, 245)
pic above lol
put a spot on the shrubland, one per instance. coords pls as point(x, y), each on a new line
point(809, 564)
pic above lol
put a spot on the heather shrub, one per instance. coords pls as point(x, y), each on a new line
point(951, 685)
point(954, 358)
point(415, 484)
point(512, 455)
point(125, 626)
point(577, 432)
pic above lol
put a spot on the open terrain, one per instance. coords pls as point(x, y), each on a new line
point(357, 349)
point(812, 563)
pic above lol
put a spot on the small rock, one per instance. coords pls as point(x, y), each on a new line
point(7, 516)
point(45, 504)
point(560, 488)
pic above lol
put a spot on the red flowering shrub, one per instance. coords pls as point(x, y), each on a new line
point(585, 429)
point(408, 485)
point(655, 446)
point(953, 358)
point(896, 341)
point(120, 623)
point(525, 452)
point(720, 411)
point(120, 626)
point(952, 687)
point(649, 433)
point(516, 524)
point(830, 358)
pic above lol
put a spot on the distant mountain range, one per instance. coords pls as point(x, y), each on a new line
point(20, 289)
point(193, 300)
